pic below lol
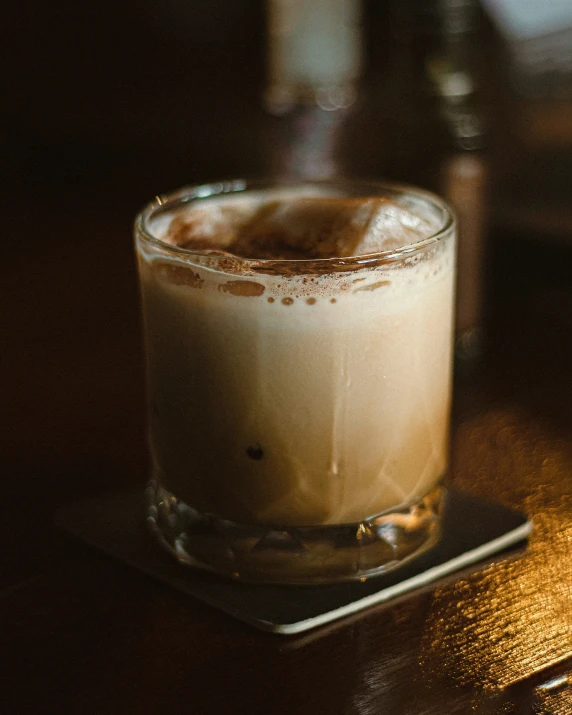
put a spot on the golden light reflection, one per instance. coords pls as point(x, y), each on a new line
point(513, 618)
point(554, 703)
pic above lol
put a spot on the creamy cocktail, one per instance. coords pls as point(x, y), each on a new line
point(299, 369)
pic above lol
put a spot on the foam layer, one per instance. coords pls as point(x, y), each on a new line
point(296, 226)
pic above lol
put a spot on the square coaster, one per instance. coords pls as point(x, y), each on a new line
point(472, 530)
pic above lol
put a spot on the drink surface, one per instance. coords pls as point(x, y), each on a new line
point(290, 394)
point(295, 225)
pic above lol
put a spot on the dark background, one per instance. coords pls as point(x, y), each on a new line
point(131, 96)
point(106, 105)
point(137, 97)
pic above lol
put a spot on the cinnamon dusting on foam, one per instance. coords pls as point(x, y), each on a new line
point(296, 228)
point(295, 235)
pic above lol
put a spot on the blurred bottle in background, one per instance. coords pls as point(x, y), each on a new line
point(419, 118)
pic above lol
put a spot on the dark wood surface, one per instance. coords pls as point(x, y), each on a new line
point(81, 633)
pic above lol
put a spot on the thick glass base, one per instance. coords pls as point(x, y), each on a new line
point(302, 555)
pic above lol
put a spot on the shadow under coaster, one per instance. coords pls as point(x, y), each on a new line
point(472, 530)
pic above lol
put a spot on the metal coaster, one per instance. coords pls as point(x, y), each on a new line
point(472, 530)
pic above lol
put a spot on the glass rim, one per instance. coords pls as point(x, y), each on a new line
point(233, 187)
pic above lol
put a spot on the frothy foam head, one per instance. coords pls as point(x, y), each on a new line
point(295, 226)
